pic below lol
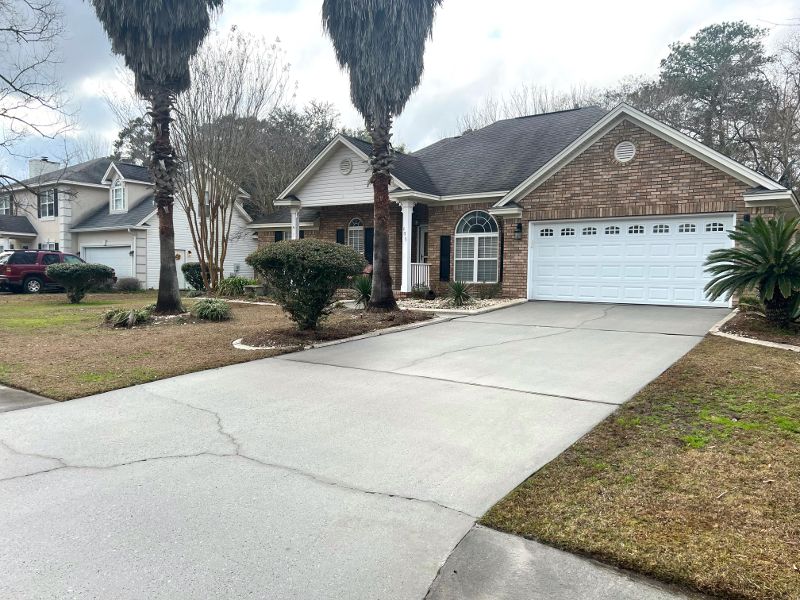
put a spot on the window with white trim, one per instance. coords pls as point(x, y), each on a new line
point(118, 196)
point(660, 228)
point(612, 230)
point(47, 204)
point(687, 228)
point(355, 235)
point(589, 231)
point(714, 227)
point(48, 246)
point(636, 229)
point(567, 231)
point(5, 204)
point(547, 232)
point(477, 250)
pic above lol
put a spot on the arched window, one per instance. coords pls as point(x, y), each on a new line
point(477, 248)
point(118, 195)
point(355, 235)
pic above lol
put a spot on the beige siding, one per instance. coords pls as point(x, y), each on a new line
point(329, 186)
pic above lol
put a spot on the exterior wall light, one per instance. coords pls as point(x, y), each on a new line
point(518, 231)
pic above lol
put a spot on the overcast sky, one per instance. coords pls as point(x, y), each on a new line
point(479, 47)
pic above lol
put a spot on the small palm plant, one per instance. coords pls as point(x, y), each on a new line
point(362, 286)
point(459, 293)
point(766, 260)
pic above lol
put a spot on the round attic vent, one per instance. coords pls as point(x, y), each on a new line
point(624, 152)
point(346, 166)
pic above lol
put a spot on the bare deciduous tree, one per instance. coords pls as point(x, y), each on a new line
point(237, 80)
point(31, 98)
point(524, 100)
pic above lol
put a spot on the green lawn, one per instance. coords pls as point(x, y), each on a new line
point(695, 481)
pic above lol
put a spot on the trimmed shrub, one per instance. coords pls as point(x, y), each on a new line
point(79, 278)
point(212, 309)
point(195, 293)
point(128, 284)
point(422, 292)
point(305, 274)
point(193, 275)
point(488, 291)
point(122, 317)
point(362, 286)
point(234, 286)
point(459, 293)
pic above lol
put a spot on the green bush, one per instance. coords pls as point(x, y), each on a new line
point(123, 317)
point(362, 286)
point(487, 291)
point(422, 292)
point(234, 286)
point(128, 284)
point(305, 274)
point(459, 293)
point(212, 309)
point(195, 294)
point(193, 275)
point(79, 278)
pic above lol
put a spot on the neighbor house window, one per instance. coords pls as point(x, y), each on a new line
point(118, 196)
point(355, 235)
point(47, 204)
point(477, 249)
point(5, 204)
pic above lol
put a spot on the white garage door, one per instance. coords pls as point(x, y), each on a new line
point(116, 257)
point(652, 260)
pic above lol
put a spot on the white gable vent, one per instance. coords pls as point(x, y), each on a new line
point(624, 152)
point(346, 166)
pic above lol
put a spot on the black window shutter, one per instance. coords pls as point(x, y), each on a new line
point(500, 258)
point(340, 236)
point(444, 258)
point(56, 246)
point(278, 236)
point(302, 234)
point(369, 237)
point(40, 246)
point(39, 205)
point(55, 203)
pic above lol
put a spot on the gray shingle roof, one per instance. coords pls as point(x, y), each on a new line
point(497, 157)
point(282, 216)
point(16, 224)
point(102, 219)
point(91, 171)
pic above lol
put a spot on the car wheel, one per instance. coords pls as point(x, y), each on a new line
point(32, 285)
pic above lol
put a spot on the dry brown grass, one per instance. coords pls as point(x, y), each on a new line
point(695, 481)
point(754, 325)
point(61, 351)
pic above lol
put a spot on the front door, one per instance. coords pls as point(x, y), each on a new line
point(422, 244)
point(180, 260)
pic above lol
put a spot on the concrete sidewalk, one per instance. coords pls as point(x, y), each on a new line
point(14, 399)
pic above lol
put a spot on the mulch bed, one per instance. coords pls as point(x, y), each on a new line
point(755, 326)
point(342, 323)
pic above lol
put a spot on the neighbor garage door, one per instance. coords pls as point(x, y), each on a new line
point(116, 257)
point(653, 260)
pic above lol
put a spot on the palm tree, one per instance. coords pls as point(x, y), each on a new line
point(381, 44)
point(766, 259)
point(157, 38)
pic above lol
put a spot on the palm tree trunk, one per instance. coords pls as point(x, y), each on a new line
point(382, 298)
point(162, 166)
point(778, 311)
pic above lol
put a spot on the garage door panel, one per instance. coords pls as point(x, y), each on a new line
point(116, 257)
point(652, 260)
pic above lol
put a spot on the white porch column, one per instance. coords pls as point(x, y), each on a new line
point(295, 214)
point(407, 207)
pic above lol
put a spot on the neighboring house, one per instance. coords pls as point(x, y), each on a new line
point(103, 210)
point(582, 205)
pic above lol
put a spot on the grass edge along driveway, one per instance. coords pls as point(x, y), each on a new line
point(695, 481)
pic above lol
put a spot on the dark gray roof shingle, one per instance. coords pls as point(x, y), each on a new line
point(103, 219)
point(282, 216)
point(497, 157)
point(91, 171)
point(16, 224)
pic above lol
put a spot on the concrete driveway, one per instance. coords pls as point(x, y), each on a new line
point(350, 471)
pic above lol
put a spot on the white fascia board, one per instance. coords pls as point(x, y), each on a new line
point(18, 234)
point(780, 198)
point(107, 175)
point(625, 112)
point(147, 218)
point(119, 228)
point(451, 199)
point(303, 225)
point(56, 183)
point(506, 212)
point(319, 159)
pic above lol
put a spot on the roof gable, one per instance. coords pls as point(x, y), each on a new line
point(625, 112)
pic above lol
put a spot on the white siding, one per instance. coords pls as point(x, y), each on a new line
point(240, 244)
point(328, 186)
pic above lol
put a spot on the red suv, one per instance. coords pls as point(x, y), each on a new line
point(24, 270)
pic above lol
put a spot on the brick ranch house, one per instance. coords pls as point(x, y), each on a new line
point(578, 205)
